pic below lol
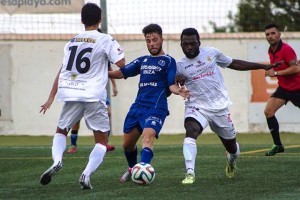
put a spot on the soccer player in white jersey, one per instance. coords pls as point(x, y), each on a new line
point(208, 103)
point(147, 114)
point(81, 86)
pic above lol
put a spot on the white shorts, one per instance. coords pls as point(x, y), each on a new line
point(94, 113)
point(219, 122)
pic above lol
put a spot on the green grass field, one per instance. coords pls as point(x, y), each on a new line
point(23, 159)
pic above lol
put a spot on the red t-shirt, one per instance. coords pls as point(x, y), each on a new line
point(286, 53)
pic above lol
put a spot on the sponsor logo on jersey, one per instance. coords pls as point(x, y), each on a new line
point(150, 69)
point(120, 50)
point(191, 65)
point(73, 76)
point(204, 75)
point(148, 84)
point(162, 62)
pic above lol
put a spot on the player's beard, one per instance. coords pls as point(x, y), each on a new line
point(157, 52)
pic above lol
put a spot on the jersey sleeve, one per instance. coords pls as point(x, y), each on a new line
point(221, 59)
point(289, 54)
point(131, 69)
point(172, 72)
point(114, 50)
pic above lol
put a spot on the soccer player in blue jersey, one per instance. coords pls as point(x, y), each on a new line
point(147, 114)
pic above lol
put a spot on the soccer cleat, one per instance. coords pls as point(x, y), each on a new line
point(72, 149)
point(126, 176)
point(275, 149)
point(189, 179)
point(84, 182)
point(230, 169)
point(110, 147)
point(47, 175)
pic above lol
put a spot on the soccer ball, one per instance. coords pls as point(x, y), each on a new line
point(142, 174)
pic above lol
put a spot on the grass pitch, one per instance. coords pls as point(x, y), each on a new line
point(23, 159)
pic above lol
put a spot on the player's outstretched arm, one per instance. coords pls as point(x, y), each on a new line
point(52, 94)
point(242, 65)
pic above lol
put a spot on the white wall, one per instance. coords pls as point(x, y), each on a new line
point(33, 65)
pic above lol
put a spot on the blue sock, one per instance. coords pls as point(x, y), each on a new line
point(74, 139)
point(131, 157)
point(146, 155)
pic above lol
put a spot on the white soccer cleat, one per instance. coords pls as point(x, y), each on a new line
point(84, 182)
point(126, 176)
point(47, 175)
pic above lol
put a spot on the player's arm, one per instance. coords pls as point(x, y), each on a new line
point(293, 68)
point(113, 82)
point(121, 63)
point(52, 94)
point(116, 74)
point(242, 65)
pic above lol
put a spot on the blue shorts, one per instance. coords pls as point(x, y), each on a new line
point(143, 117)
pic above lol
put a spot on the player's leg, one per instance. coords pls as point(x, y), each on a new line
point(109, 147)
point(194, 124)
point(151, 123)
point(96, 119)
point(223, 126)
point(148, 136)
point(130, 151)
point(71, 113)
point(95, 159)
point(74, 136)
point(271, 108)
point(232, 153)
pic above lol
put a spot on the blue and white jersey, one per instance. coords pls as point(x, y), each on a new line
point(157, 73)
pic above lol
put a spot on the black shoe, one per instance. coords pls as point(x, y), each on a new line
point(47, 175)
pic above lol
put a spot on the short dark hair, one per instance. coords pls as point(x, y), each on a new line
point(152, 28)
point(190, 31)
point(271, 25)
point(90, 14)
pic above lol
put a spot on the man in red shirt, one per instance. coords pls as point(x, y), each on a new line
point(288, 75)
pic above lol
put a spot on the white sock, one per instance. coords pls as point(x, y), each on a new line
point(232, 157)
point(58, 147)
point(95, 159)
point(189, 153)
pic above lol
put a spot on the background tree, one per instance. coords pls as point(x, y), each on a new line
point(253, 15)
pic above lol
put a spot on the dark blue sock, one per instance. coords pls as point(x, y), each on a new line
point(131, 157)
point(74, 139)
point(146, 155)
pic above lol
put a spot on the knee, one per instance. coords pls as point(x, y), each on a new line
point(193, 130)
point(269, 113)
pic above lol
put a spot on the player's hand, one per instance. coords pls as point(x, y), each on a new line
point(276, 64)
point(46, 105)
point(183, 91)
point(115, 92)
point(180, 79)
point(270, 73)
